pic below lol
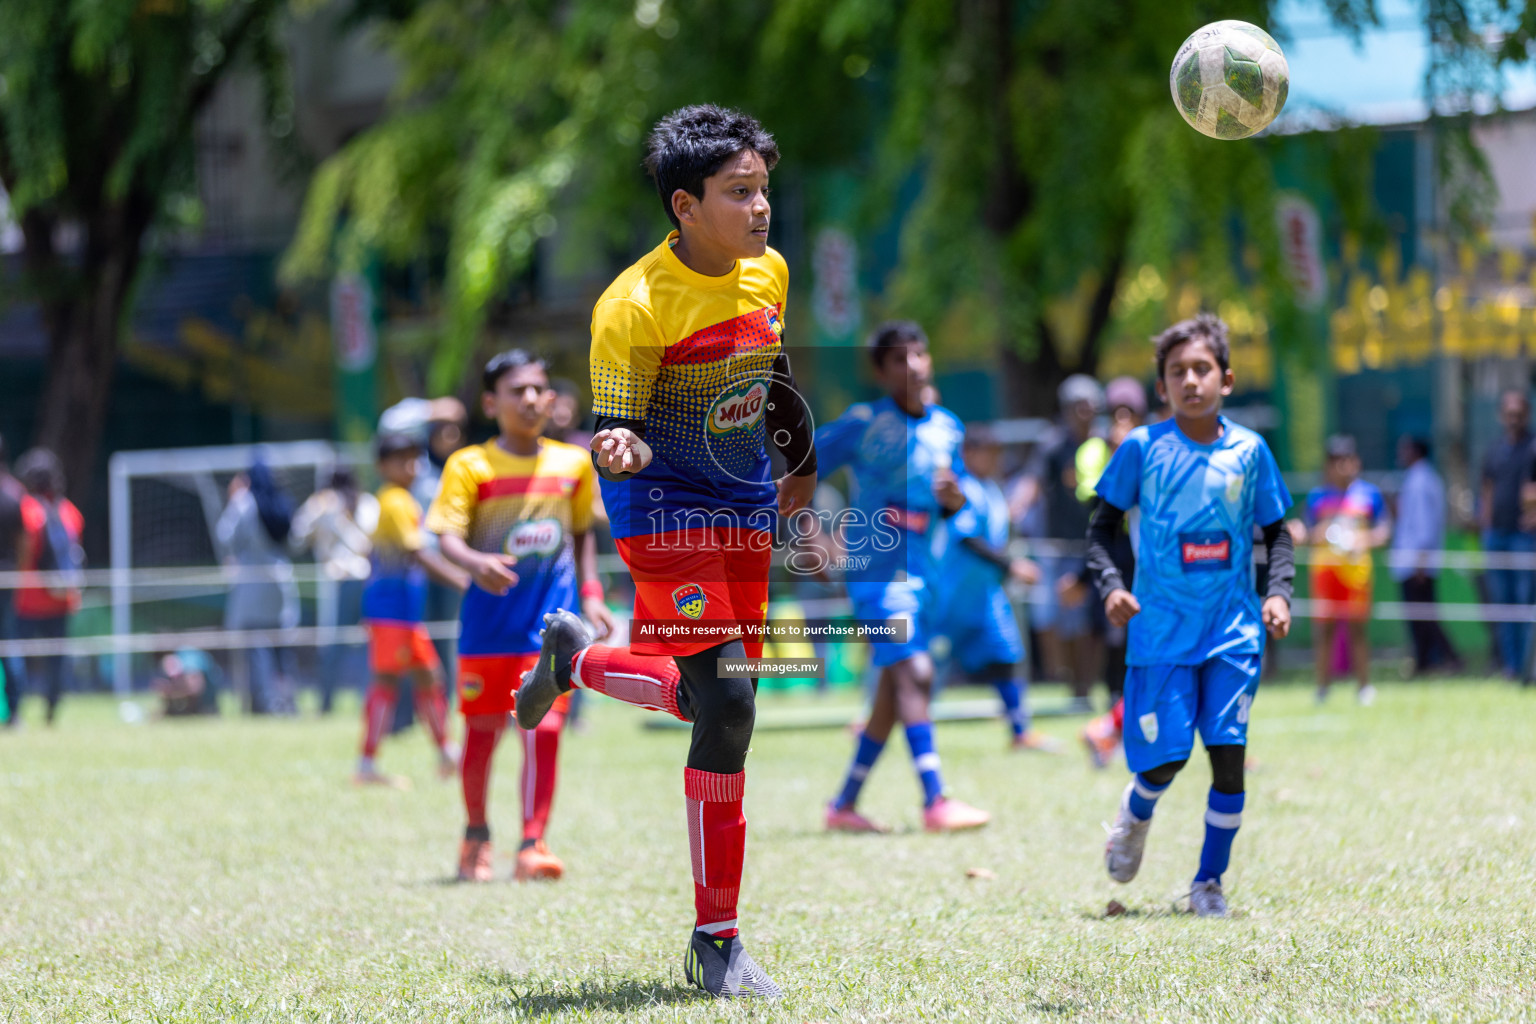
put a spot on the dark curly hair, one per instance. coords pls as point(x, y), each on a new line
point(1206, 327)
point(690, 144)
point(891, 336)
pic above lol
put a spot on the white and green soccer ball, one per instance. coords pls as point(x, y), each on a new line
point(1229, 79)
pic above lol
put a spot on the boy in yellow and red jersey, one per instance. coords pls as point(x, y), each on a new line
point(394, 604)
point(515, 513)
point(689, 382)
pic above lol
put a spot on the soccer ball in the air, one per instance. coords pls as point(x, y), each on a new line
point(1229, 79)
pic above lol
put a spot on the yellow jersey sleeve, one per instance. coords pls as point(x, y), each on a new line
point(581, 499)
point(453, 510)
point(399, 521)
point(626, 356)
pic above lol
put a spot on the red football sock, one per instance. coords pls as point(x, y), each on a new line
point(432, 708)
point(481, 734)
point(717, 838)
point(378, 712)
point(541, 747)
point(646, 681)
point(1118, 714)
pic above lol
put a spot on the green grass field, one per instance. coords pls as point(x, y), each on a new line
point(227, 871)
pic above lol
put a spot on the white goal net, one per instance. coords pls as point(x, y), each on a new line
point(166, 576)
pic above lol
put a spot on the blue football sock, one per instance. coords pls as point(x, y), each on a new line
point(1013, 705)
point(920, 739)
point(863, 760)
point(1223, 817)
point(1144, 794)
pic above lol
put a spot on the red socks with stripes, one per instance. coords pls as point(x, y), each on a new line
point(432, 709)
point(378, 712)
point(481, 734)
point(717, 839)
point(541, 749)
point(646, 681)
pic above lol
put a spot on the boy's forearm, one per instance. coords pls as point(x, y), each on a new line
point(456, 550)
point(440, 568)
point(585, 545)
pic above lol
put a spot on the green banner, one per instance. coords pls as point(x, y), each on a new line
point(355, 342)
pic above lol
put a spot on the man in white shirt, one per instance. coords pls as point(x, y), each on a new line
point(1419, 538)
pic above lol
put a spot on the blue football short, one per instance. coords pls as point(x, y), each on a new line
point(908, 599)
point(1165, 705)
point(982, 631)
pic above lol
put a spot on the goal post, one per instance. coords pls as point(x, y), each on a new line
point(164, 506)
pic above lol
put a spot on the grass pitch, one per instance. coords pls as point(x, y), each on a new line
point(227, 871)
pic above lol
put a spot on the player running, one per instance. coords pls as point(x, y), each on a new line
point(900, 451)
point(394, 604)
point(973, 609)
point(689, 381)
point(1196, 636)
point(515, 513)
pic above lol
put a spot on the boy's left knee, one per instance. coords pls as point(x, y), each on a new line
point(1227, 767)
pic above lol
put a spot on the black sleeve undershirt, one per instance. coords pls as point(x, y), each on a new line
point(1281, 550)
point(1102, 529)
point(786, 417)
point(1107, 520)
point(997, 557)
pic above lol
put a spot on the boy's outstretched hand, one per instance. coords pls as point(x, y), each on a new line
point(1277, 617)
point(1121, 606)
point(620, 450)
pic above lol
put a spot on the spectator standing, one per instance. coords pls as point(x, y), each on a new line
point(253, 536)
point(11, 494)
point(335, 523)
point(1506, 467)
point(1346, 518)
point(48, 553)
point(1416, 543)
point(1067, 616)
point(1127, 401)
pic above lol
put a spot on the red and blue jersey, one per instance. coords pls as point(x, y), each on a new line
point(692, 356)
point(397, 585)
point(530, 506)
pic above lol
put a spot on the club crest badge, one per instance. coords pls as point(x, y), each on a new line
point(471, 686)
point(689, 600)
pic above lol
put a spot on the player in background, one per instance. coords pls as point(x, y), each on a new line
point(901, 453)
point(689, 383)
point(1346, 518)
point(394, 604)
point(1127, 401)
point(516, 514)
point(973, 609)
point(1196, 624)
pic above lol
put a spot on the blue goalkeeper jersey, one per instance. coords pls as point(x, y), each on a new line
point(894, 458)
point(1199, 504)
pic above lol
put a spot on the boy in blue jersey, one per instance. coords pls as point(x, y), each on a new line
point(1195, 622)
point(973, 609)
point(900, 451)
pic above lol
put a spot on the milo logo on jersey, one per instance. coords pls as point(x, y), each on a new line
point(738, 408)
point(536, 538)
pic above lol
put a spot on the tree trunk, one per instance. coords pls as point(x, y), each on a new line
point(83, 333)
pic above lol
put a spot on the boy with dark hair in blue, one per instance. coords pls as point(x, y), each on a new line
point(1196, 625)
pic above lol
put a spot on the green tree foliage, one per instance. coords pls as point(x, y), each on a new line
point(1049, 157)
point(98, 100)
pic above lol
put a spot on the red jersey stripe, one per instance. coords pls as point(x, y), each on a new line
point(503, 486)
point(719, 342)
